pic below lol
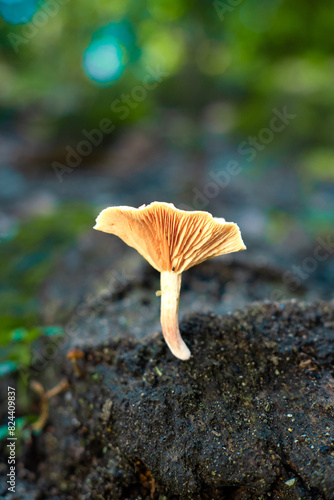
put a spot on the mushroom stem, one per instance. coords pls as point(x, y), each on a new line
point(170, 294)
point(77, 369)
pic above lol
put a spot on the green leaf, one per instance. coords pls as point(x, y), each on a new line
point(18, 334)
point(3, 431)
point(7, 367)
point(53, 330)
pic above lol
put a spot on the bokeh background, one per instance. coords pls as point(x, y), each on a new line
point(225, 106)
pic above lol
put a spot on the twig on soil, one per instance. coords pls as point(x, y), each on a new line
point(44, 402)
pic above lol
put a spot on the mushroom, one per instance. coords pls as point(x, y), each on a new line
point(172, 241)
point(75, 354)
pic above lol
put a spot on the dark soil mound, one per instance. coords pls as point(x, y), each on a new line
point(249, 416)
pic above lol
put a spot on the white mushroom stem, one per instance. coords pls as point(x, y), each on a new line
point(170, 294)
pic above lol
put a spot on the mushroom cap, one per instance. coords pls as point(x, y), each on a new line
point(75, 353)
point(168, 238)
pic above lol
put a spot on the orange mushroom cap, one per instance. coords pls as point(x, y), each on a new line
point(75, 353)
point(168, 238)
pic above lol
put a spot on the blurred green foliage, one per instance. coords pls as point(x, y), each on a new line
point(255, 54)
point(26, 261)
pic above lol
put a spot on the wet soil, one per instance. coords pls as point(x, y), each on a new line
point(249, 416)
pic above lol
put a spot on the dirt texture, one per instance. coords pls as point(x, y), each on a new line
point(249, 416)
